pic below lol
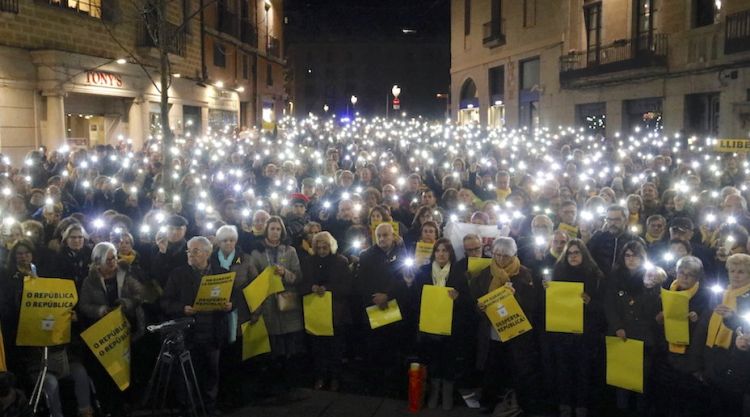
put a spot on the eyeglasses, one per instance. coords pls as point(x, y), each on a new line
point(632, 255)
point(111, 259)
point(615, 219)
point(574, 253)
point(501, 255)
point(194, 251)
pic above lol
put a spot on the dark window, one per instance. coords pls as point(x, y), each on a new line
point(704, 13)
point(644, 20)
point(592, 14)
point(702, 114)
point(220, 58)
point(530, 74)
point(497, 83)
point(269, 74)
point(467, 17)
point(245, 67)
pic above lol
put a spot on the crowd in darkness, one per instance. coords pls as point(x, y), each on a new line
point(341, 208)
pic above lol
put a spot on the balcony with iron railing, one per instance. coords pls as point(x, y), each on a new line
point(737, 32)
point(493, 34)
point(149, 33)
point(228, 23)
point(9, 6)
point(648, 50)
point(274, 47)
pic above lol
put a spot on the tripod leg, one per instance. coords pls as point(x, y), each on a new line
point(152, 381)
point(188, 373)
point(167, 377)
point(36, 395)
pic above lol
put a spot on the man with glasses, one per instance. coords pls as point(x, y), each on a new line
point(472, 249)
point(605, 244)
point(169, 251)
point(683, 229)
point(208, 334)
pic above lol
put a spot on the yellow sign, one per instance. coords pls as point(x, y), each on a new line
point(732, 145)
point(255, 339)
point(46, 311)
point(109, 339)
point(675, 305)
point(379, 317)
point(422, 253)
point(214, 292)
point(318, 312)
point(625, 363)
point(373, 226)
point(477, 265)
point(571, 231)
point(564, 308)
point(265, 284)
point(436, 310)
point(3, 365)
point(505, 314)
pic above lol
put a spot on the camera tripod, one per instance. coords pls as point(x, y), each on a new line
point(173, 350)
point(36, 393)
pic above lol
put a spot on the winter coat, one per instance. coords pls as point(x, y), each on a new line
point(462, 306)
point(604, 248)
point(381, 272)
point(245, 272)
point(333, 273)
point(94, 304)
point(280, 322)
point(162, 264)
point(629, 305)
point(72, 265)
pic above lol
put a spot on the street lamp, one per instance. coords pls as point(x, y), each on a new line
point(354, 103)
point(396, 90)
point(325, 108)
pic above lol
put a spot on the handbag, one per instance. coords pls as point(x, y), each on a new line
point(287, 301)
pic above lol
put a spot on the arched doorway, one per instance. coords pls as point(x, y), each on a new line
point(468, 105)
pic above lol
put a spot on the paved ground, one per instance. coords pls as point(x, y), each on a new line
point(310, 403)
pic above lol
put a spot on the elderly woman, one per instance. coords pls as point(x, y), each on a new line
point(723, 368)
point(26, 360)
point(305, 250)
point(328, 271)
point(440, 352)
point(509, 365)
point(74, 256)
point(108, 287)
point(281, 312)
point(684, 393)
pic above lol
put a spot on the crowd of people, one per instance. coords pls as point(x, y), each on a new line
point(343, 208)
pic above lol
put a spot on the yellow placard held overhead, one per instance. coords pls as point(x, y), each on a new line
point(564, 307)
point(505, 314)
point(3, 365)
point(436, 310)
point(46, 311)
point(422, 253)
point(255, 339)
point(625, 363)
point(675, 305)
point(380, 317)
point(732, 145)
point(318, 312)
point(109, 339)
point(267, 283)
point(214, 292)
point(477, 265)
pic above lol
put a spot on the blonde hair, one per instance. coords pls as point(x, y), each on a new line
point(328, 238)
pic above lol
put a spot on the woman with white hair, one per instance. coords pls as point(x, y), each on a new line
point(724, 368)
point(322, 272)
point(74, 256)
point(510, 365)
point(108, 287)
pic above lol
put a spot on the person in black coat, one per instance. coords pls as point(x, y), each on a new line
point(210, 331)
point(441, 352)
point(169, 252)
point(575, 353)
point(631, 311)
point(322, 272)
point(606, 245)
point(74, 256)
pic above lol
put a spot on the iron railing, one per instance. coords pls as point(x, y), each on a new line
point(646, 50)
point(228, 23)
point(9, 6)
point(149, 36)
point(737, 34)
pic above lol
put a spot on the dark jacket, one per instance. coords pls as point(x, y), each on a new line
point(604, 247)
point(333, 273)
point(629, 305)
point(462, 306)
point(94, 303)
point(245, 272)
point(72, 265)
point(594, 321)
point(162, 264)
point(689, 362)
point(381, 272)
point(209, 329)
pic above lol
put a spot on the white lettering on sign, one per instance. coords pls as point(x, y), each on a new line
point(103, 78)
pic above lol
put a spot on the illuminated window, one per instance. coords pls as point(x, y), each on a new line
point(92, 8)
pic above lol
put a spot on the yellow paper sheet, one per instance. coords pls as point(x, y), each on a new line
point(422, 253)
point(265, 284)
point(505, 314)
point(3, 365)
point(676, 306)
point(46, 311)
point(255, 339)
point(214, 292)
point(477, 265)
point(379, 317)
point(373, 226)
point(109, 340)
point(318, 313)
point(625, 363)
point(436, 310)
point(564, 307)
